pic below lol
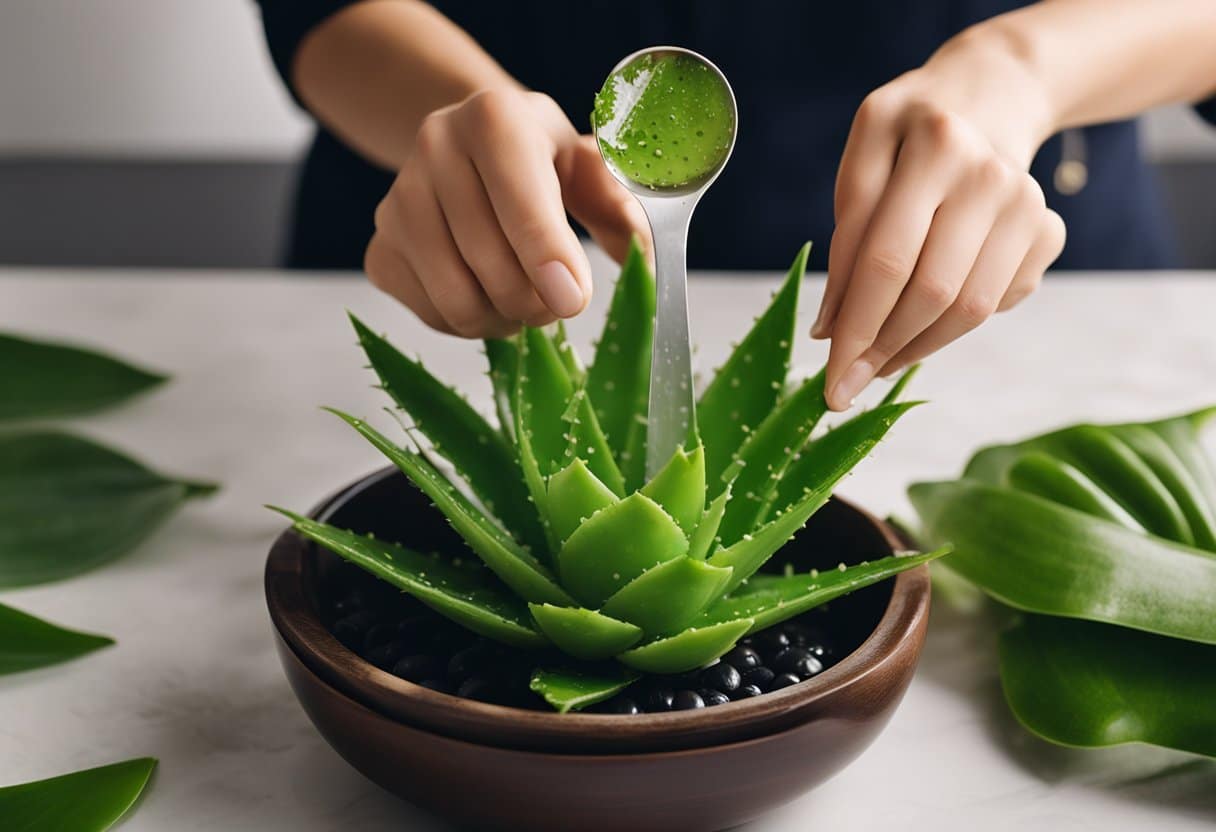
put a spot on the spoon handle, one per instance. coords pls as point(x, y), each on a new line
point(671, 417)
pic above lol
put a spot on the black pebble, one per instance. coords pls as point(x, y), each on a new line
point(435, 684)
point(351, 629)
point(379, 634)
point(797, 661)
point(687, 700)
point(761, 677)
point(746, 692)
point(465, 663)
point(660, 699)
point(622, 705)
point(384, 656)
point(417, 667)
point(476, 687)
point(721, 676)
point(742, 658)
point(713, 697)
point(771, 641)
point(784, 681)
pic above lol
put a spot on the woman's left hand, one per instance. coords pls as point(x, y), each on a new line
point(938, 223)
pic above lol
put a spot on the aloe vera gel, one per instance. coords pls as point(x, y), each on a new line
point(665, 120)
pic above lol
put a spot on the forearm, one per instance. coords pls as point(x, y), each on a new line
point(373, 71)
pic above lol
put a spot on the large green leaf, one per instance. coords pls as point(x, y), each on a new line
point(481, 455)
point(1042, 557)
point(27, 642)
point(68, 505)
point(746, 388)
point(503, 358)
point(583, 633)
point(679, 487)
point(687, 650)
point(568, 690)
point(618, 381)
point(574, 494)
point(586, 441)
point(664, 599)
point(84, 801)
point(44, 379)
point(1085, 684)
point(1178, 479)
point(1182, 434)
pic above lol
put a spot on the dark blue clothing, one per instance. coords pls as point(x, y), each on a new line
point(799, 71)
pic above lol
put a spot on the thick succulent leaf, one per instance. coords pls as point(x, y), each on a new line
point(807, 485)
point(542, 394)
point(619, 378)
point(466, 594)
point(767, 453)
point(1084, 684)
point(568, 690)
point(901, 384)
point(83, 801)
point(583, 633)
point(68, 505)
point(44, 379)
point(1042, 557)
point(565, 351)
point(615, 546)
point(771, 599)
point(27, 642)
point(688, 650)
point(503, 357)
point(679, 487)
point(664, 599)
point(574, 494)
point(586, 441)
point(1038, 473)
point(747, 386)
point(481, 455)
point(517, 567)
point(705, 537)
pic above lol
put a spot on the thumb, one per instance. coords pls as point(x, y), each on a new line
point(602, 205)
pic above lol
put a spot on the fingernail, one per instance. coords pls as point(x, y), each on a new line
point(853, 382)
point(558, 289)
point(818, 328)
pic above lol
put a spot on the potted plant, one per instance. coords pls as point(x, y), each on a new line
point(574, 583)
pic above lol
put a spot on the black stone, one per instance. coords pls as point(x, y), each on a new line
point(687, 700)
point(746, 692)
point(466, 662)
point(476, 687)
point(784, 681)
point(659, 699)
point(761, 677)
point(379, 634)
point(436, 685)
point(770, 641)
point(797, 661)
point(384, 656)
point(721, 676)
point(351, 629)
point(416, 667)
point(742, 658)
point(713, 697)
point(622, 705)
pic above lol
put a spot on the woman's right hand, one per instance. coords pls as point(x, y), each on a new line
point(473, 237)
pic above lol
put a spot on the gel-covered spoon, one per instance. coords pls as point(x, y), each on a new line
point(665, 121)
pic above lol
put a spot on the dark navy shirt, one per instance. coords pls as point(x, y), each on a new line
point(799, 71)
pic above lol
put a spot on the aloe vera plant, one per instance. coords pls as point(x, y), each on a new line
point(575, 551)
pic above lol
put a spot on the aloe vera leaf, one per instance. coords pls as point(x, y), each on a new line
point(69, 505)
point(747, 386)
point(767, 453)
point(618, 380)
point(517, 567)
point(679, 487)
point(665, 598)
point(771, 599)
point(1037, 556)
point(574, 494)
point(586, 441)
point(92, 800)
point(27, 642)
point(1182, 433)
point(542, 394)
point(1084, 684)
point(1038, 473)
point(688, 650)
point(615, 546)
point(480, 454)
point(583, 633)
point(807, 485)
point(706, 534)
point(569, 690)
point(503, 358)
point(565, 351)
point(43, 379)
point(466, 594)
point(901, 383)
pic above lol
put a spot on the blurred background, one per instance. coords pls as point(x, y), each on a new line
point(155, 133)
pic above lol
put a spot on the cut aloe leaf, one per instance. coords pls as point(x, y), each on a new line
point(586, 441)
point(503, 357)
point(615, 546)
point(83, 801)
point(679, 487)
point(27, 642)
point(470, 596)
point(1084, 684)
point(479, 453)
point(1038, 473)
point(569, 690)
point(583, 633)
point(575, 494)
point(705, 537)
point(665, 598)
point(516, 567)
point(693, 648)
point(746, 388)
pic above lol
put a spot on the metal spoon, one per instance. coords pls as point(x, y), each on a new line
point(665, 122)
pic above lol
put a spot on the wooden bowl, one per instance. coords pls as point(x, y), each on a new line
point(501, 767)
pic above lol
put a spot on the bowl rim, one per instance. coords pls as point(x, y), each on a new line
point(299, 625)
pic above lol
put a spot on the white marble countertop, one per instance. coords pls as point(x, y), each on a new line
point(194, 680)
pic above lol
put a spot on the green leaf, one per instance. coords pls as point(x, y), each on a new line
point(43, 379)
point(665, 598)
point(583, 633)
point(706, 533)
point(901, 383)
point(693, 648)
point(503, 357)
point(574, 494)
point(27, 642)
point(480, 454)
point(771, 599)
point(1084, 684)
point(68, 505)
point(679, 487)
point(517, 567)
point(746, 388)
point(84, 801)
point(618, 381)
point(615, 546)
point(565, 351)
point(1038, 473)
point(466, 594)
point(586, 441)
point(1181, 433)
point(1042, 557)
point(568, 690)
point(807, 485)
